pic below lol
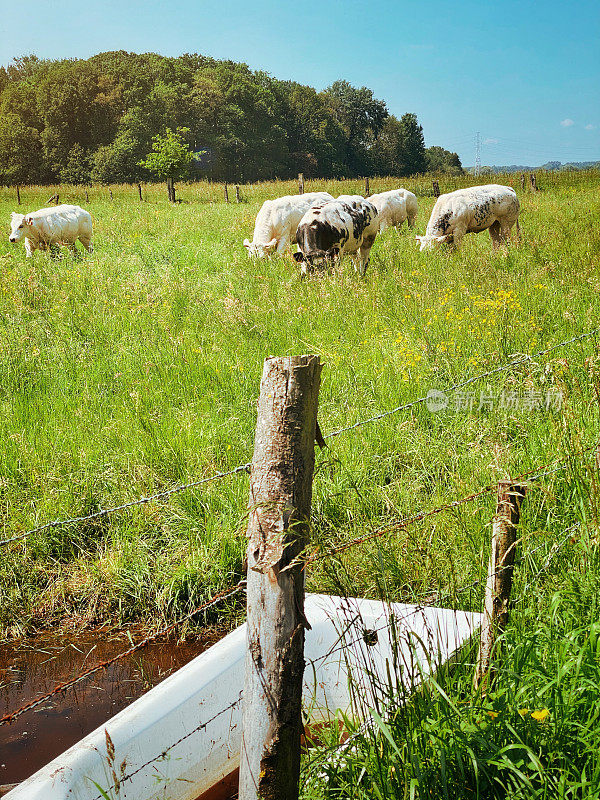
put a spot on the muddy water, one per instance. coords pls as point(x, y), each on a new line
point(31, 669)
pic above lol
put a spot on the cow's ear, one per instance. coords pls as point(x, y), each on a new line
point(299, 256)
point(28, 220)
point(246, 243)
point(270, 245)
point(448, 238)
point(333, 252)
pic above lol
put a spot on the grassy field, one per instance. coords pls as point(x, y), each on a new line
point(138, 367)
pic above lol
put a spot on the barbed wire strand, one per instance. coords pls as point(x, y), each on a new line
point(61, 687)
point(124, 506)
point(164, 752)
point(461, 384)
point(421, 515)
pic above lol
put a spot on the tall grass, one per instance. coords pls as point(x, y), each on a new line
point(138, 367)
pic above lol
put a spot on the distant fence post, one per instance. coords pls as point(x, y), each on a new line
point(367, 188)
point(237, 193)
point(226, 194)
point(300, 183)
point(533, 182)
point(87, 195)
point(18, 196)
point(110, 193)
point(500, 572)
point(278, 529)
point(436, 189)
point(139, 187)
point(523, 181)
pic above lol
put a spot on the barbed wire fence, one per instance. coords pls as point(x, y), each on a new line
point(530, 477)
point(245, 468)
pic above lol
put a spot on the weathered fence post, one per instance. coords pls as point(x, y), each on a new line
point(18, 196)
point(367, 188)
point(237, 194)
point(226, 194)
point(140, 191)
point(300, 183)
point(436, 189)
point(500, 572)
point(87, 195)
point(110, 193)
point(523, 181)
point(533, 182)
point(279, 513)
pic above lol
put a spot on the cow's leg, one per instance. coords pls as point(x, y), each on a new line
point(282, 245)
point(87, 243)
point(365, 250)
point(495, 234)
point(29, 248)
point(412, 220)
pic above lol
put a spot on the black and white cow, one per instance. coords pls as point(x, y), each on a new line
point(479, 208)
point(331, 229)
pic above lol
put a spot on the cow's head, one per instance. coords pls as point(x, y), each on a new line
point(320, 258)
point(430, 242)
point(260, 250)
point(18, 226)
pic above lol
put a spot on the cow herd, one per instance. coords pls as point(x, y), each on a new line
point(324, 228)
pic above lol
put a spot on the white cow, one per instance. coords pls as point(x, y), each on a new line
point(472, 210)
point(277, 222)
point(394, 207)
point(50, 227)
point(333, 228)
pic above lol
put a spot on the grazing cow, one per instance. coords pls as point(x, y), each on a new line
point(277, 221)
point(49, 227)
point(331, 229)
point(394, 207)
point(472, 210)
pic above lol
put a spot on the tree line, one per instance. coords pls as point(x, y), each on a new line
point(94, 120)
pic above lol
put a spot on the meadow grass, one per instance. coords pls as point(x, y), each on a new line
point(138, 367)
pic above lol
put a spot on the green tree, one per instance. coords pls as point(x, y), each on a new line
point(441, 160)
point(77, 168)
point(362, 117)
point(21, 155)
point(388, 150)
point(413, 144)
point(170, 159)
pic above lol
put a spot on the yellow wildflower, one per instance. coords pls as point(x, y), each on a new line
point(541, 715)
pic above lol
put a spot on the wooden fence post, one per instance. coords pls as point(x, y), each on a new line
point(533, 182)
point(18, 196)
point(237, 194)
point(523, 181)
point(87, 195)
point(279, 513)
point(140, 191)
point(300, 183)
point(436, 189)
point(367, 188)
point(226, 194)
point(500, 573)
point(110, 193)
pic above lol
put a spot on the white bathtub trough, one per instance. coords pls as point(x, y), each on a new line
point(183, 736)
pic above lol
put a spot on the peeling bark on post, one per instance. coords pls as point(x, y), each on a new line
point(278, 526)
point(500, 573)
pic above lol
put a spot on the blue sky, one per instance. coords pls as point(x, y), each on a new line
point(524, 74)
